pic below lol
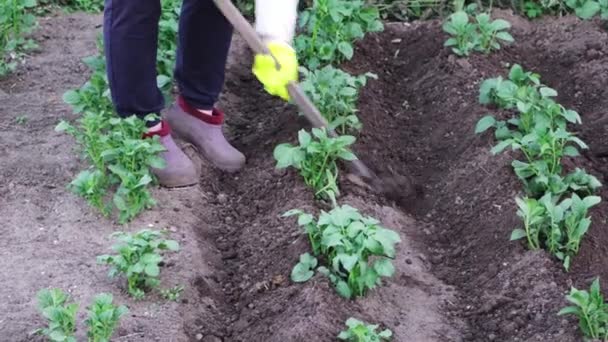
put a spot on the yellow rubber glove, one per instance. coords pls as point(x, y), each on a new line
point(275, 80)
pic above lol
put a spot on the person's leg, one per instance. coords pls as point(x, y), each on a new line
point(204, 41)
point(130, 43)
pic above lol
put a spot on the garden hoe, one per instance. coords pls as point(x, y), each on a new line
point(394, 188)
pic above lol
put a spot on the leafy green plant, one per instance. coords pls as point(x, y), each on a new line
point(557, 225)
point(359, 331)
point(591, 311)
point(103, 318)
point(316, 159)
point(120, 159)
point(304, 269)
point(138, 259)
point(357, 249)
point(173, 293)
point(335, 94)
point(539, 132)
point(120, 174)
point(484, 35)
point(554, 214)
point(61, 315)
point(16, 22)
point(330, 28)
point(492, 33)
point(587, 9)
point(463, 33)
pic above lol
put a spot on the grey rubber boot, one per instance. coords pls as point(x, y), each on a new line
point(179, 170)
point(205, 133)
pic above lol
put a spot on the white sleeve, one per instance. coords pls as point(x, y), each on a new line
point(276, 19)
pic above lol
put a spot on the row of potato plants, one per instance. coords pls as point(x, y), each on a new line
point(118, 176)
point(555, 207)
point(353, 250)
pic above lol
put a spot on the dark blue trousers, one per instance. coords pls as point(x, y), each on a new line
point(131, 39)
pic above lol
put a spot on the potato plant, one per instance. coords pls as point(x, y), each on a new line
point(103, 318)
point(120, 161)
point(335, 93)
point(484, 35)
point(557, 225)
point(330, 28)
point(60, 314)
point(359, 331)
point(16, 22)
point(554, 212)
point(316, 157)
point(357, 250)
point(138, 259)
point(591, 311)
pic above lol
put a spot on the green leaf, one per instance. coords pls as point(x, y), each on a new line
point(518, 234)
point(347, 155)
point(548, 92)
point(571, 151)
point(485, 123)
point(384, 267)
point(571, 116)
point(156, 162)
point(500, 24)
point(589, 9)
point(304, 138)
point(346, 49)
point(460, 18)
point(347, 261)
point(62, 126)
point(348, 91)
point(570, 310)
point(386, 334)
point(71, 97)
point(343, 289)
point(301, 273)
point(505, 36)
point(152, 270)
point(172, 245)
point(591, 201)
point(501, 146)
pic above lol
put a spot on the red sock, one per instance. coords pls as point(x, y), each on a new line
point(164, 130)
point(216, 117)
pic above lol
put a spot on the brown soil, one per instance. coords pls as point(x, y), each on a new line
point(458, 277)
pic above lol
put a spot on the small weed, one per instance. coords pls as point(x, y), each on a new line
point(173, 293)
point(138, 259)
point(103, 318)
point(591, 311)
point(21, 120)
point(316, 159)
point(359, 331)
point(348, 241)
point(61, 315)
